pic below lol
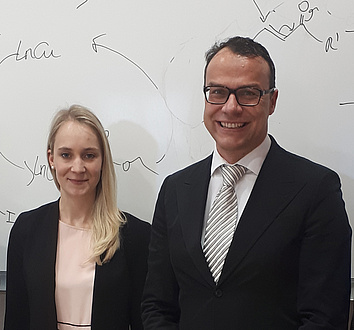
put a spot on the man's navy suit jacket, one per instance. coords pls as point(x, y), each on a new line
point(288, 266)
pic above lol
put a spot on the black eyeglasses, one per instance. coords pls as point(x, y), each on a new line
point(245, 96)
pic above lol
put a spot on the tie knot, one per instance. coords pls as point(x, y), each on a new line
point(232, 173)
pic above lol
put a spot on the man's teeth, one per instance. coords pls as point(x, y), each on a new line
point(232, 125)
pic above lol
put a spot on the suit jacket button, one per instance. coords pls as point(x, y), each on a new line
point(218, 293)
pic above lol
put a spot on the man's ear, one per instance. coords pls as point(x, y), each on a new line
point(273, 101)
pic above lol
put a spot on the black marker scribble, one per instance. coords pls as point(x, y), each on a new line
point(81, 4)
point(329, 43)
point(95, 45)
point(12, 163)
point(306, 14)
point(9, 215)
point(161, 159)
point(286, 30)
point(38, 170)
point(127, 164)
point(346, 103)
point(35, 171)
point(265, 17)
point(40, 51)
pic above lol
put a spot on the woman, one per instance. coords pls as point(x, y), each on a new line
point(77, 263)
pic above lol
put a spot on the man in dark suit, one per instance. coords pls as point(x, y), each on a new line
point(288, 264)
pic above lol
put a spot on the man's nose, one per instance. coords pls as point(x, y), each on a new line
point(232, 104)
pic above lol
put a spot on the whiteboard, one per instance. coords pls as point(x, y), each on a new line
point(139, 66)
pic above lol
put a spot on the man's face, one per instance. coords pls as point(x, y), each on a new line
point(237, 129)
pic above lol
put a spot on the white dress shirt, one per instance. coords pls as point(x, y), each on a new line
point(252, 161)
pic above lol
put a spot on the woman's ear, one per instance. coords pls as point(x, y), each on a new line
point(50, 158)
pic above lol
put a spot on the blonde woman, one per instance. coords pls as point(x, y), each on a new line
point(77, 263)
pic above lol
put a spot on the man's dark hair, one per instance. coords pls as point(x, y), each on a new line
point(245, 47)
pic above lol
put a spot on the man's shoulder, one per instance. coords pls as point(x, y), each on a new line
point(286, 160)
point(203, 164)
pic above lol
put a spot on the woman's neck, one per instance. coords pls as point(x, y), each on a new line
point(76, 212)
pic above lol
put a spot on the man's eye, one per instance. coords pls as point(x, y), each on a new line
point(218, 91)
point(65, 155)
point(248, 92)
point(218, 94)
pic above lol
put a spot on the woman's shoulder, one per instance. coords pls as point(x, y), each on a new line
point(37, 215)
point(135, 230)
point(135, 225)
point(31, 223)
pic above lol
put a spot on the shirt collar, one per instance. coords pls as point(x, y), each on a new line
point(252, 161)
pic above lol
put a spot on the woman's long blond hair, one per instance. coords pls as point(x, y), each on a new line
point(107, 219)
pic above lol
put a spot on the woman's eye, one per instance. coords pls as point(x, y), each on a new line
point(89, 156)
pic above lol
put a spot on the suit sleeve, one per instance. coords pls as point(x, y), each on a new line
point(160, 309)
point(17, 305)
point(324, 272)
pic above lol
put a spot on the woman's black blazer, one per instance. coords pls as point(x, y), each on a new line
point(30, 293)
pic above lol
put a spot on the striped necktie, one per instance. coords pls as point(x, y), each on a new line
point(222, 219)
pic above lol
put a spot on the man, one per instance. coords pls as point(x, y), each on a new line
point(288, 265)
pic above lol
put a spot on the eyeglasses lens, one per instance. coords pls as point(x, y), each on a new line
point(244, 96)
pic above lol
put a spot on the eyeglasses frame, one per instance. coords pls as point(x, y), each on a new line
point(233, 91)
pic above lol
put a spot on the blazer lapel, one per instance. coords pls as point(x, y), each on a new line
point(273, 191)
point(39, 263)
point(46, 268)
point(192, 195)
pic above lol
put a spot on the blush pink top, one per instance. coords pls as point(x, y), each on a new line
point(74, 278)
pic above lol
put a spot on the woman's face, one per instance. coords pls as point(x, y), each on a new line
point(77, 160)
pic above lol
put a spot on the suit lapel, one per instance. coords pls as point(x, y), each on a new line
point(191, 196)
point(273, 191)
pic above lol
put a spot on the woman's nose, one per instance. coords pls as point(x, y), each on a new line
point(78, 165)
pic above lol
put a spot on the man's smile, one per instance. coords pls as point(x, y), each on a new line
point(231, 125)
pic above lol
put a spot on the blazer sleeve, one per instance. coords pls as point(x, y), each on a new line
point(324, 261)
point(17, 304)
point(136, 238)
point(160, 298)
